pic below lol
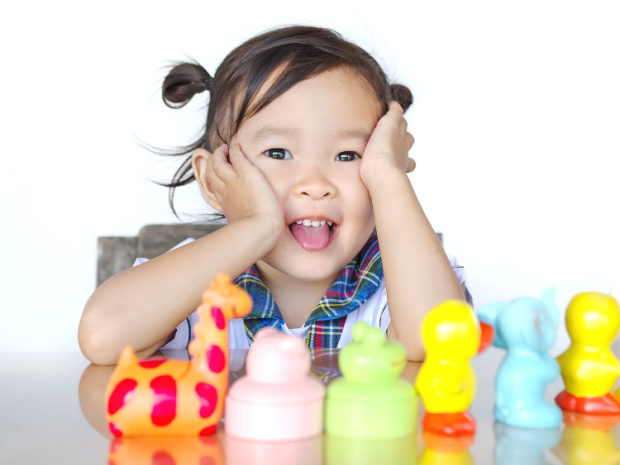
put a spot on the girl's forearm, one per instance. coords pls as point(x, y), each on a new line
point(418, 274)
point(142, 305)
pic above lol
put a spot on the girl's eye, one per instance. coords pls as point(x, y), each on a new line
point(347, 156)
point(279, 154)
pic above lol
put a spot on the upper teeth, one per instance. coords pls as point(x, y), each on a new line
point(313, 223)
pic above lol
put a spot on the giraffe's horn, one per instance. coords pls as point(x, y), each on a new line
point(128, 357)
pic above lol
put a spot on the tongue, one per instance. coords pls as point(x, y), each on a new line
point(311, 237)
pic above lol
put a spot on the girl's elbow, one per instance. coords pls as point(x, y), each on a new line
point(94, 343)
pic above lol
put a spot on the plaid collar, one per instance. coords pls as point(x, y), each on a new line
point(355, 283)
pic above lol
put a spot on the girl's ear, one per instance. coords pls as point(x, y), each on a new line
point(200, 165)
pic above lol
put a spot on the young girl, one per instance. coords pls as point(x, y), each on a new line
point(305, 153)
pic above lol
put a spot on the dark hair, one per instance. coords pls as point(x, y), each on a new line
point(299, 52)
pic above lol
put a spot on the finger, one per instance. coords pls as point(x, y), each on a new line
point(410, 141)
point(221, 167)
point(215, 182)
point(395, 107)
point(410, 165)
point(238, 159)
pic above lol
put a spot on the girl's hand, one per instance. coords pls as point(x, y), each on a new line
point(387, 149)
point(241, 189)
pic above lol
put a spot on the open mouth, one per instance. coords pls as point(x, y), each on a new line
point(313, 235)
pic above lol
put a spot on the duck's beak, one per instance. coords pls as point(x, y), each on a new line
point(486, 336)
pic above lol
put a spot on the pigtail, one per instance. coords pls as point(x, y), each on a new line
point(402, 95)
point(183, 82)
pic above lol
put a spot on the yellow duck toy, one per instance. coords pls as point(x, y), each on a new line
point(447, 382)
point(588, 366)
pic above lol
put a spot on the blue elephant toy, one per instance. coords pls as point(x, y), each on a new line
point(526, 328)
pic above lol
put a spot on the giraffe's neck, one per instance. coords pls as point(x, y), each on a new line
point(209, 348)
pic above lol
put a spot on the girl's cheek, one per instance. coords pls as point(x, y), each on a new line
point(278, 183)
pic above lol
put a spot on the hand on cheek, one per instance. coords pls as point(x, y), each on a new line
point(387, 149)
point(241, 189)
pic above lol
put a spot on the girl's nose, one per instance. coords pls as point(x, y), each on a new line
point(315, 183)
point(316, 194)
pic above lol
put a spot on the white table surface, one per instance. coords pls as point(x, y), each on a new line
point(52, 412)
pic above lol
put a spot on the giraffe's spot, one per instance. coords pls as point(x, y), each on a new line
point(207, 461)
point(208, 399)
point(162, 458)
point(218, 317)
point(117, 433)
point(208, 430)
point(111, 462)
point(151, 363)
point(121, 395)
point(215, 359)
point(164, 400)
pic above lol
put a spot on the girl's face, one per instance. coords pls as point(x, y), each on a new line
point(308, 144)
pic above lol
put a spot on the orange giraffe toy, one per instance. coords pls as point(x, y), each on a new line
point(175, 398)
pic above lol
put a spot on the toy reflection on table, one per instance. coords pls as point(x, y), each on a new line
point(447, 383)
point(446, 450)
point(588, 367)
point(588, 440)
point(166, 451)
point(356, 451)
point(526, 328)
point(277, 400)
point(370, 400)
point(519, 446)
point(176, 398)
point(302, 452)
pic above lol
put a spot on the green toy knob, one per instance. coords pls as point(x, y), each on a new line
point(370, 401)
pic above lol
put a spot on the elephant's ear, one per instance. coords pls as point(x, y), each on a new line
point(489, 315)
point(552, 310)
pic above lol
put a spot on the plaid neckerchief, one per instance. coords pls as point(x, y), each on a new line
point(355, 283)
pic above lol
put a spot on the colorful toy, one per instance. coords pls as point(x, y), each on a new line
point(278, 400)
point(446, 450)
point(370, 401)
point(356, 451)
point(526, 328)
point(176, 398)
point(166, 451)
point(520, 446)
point(307, 451)
point(588, 440)
point(447, 382)
point(589, 368)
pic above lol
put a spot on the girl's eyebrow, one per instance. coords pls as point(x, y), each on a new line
point(268, 131)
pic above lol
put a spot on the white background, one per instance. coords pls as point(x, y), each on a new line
point(516, 119)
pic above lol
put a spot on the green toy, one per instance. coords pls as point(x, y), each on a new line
point(370, 401)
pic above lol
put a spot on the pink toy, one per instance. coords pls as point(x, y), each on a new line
point(278, 400)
